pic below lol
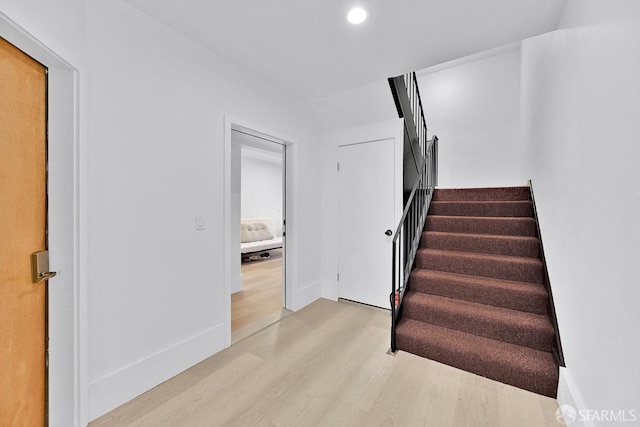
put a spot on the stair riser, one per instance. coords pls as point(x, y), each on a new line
point(546, 386)
point(481, 244)
point(502, 209)
point(499, 269)
point(533, 335)
point(483, 194)
point(514, 299)
point(475, 225)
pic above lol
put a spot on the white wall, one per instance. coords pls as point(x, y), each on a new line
point(473, 105)
point(262, 186)
point(580, 109)
point(157, 105)
point(361, 105)
point(151, 108)
point(59, 24)
point(474, 108)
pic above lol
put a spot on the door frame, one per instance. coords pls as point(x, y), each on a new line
point(289, 164)
point(67, 391)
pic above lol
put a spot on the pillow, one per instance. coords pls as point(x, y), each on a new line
point(254, 232)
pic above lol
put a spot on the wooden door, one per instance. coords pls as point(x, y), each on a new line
point(366, 207)
point(22, 231)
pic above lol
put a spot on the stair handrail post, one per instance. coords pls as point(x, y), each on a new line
point(392, 297)
point(435, 164)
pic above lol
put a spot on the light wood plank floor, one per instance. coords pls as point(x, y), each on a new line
point(261, 295)
point(326, 365)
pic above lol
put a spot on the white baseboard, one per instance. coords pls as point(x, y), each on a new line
point(111, 391)
point(568, 395)
point(306, 295)
point(237, 285)
point(330, 290)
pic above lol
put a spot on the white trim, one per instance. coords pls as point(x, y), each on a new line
point(329, 290)
point(308, 294)
point(67, 348)
point(290, 215)
point(126, 383)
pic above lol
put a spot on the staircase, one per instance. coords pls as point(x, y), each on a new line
point(476, 297)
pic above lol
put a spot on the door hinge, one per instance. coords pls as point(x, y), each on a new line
point(338, 166)
point(338, 276)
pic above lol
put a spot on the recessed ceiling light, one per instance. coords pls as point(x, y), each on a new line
point(357, 15)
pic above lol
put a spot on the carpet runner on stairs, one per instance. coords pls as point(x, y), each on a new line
point(476, 299)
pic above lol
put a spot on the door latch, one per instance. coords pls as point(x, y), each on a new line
point(40, 267)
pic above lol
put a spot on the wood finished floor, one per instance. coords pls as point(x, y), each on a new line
point(261, 295)
point(326, 365)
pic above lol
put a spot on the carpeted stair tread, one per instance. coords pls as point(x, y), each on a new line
point(512, 326)
point(519, 366)
point(524, 246)
point(476, 297)
point(521, 269)
point(482, 225)
point(520, 208)
point(483, 194)
point(523, 296)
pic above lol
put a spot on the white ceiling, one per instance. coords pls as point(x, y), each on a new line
point(307, 47)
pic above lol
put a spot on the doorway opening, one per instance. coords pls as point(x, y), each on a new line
point(258, 213)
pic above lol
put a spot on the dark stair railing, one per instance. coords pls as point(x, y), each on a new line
point(557, 352)
point(421, 170)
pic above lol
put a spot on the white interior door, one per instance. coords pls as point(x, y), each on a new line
point(366, 205)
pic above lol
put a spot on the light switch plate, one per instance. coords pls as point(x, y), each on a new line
point(199, 222)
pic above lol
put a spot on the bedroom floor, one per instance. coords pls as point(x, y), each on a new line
point(259, 304)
